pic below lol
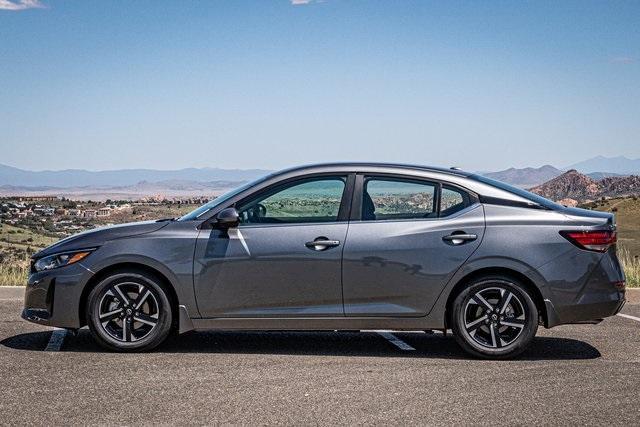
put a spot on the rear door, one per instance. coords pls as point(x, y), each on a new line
point(407, 240)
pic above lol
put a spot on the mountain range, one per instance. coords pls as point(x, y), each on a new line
point(620, 165)
point(586, 179)
point(596, 168)
point(83, 178)
point(525, 177)
point(123, 184)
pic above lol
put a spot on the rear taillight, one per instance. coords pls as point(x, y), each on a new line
point(620, 285)
point(591, 240)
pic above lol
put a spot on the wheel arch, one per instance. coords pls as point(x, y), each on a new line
point(525, 280)
point(129, 267)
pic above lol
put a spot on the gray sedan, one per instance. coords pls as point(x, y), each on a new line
point(340, 247)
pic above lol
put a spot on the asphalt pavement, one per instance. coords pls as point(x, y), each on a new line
point(577, 374)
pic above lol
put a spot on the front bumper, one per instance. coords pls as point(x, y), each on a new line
point(53, 297)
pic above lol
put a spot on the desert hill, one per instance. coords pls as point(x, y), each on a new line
point(574, 185)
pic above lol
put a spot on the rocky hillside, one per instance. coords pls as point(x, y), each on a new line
point(621, 186)
point(574, 185)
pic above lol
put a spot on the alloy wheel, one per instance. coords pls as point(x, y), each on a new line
point(128, 311)
point(494, 317)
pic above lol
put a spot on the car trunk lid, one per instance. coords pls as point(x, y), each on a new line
point(590, 218)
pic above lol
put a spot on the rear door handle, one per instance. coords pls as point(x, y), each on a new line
point(322, 243)
point(458, 238)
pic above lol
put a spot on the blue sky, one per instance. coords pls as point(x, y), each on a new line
point(269, 84)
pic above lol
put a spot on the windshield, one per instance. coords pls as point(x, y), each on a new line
point(518, 191)
point(219, 200)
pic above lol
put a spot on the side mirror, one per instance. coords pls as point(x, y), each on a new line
point(227, 218)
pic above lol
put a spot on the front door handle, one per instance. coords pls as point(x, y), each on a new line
point(459, 237)
point(322, 243)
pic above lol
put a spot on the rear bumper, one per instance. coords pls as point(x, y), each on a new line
point(593, 312)
point(594, 296)
point(52, 297)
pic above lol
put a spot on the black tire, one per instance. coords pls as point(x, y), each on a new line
point(501, 332)
point(123, 316)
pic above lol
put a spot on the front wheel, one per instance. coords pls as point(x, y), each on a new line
point(494, 318)
point(129, 311)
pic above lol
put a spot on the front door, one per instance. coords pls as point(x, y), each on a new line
point(411, 238)
point(283, 260)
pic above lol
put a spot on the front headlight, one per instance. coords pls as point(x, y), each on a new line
point(60, 260)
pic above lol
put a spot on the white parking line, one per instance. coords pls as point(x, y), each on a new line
point(56, 340)
point(637, 319)
point(395, 340)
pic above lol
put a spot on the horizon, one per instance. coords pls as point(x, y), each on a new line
point(256, 84)
point(258, 168)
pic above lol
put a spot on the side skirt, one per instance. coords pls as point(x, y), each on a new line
point(314, 324)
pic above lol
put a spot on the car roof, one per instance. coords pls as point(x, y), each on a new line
point(454, 176)
point(357, 166)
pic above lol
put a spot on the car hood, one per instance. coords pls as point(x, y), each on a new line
point(98, 236)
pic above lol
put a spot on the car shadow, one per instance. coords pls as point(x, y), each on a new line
point(363, 344)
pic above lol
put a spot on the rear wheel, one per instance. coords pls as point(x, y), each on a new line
point(494, 318)
point(129, 311)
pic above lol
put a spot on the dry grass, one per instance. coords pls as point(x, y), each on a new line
point(631, 265)
point(627, 212)
point(14, 273)
point(16, 246)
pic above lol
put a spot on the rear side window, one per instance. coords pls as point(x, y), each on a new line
point(453, 200)
point(393, 198)
point(389, 199)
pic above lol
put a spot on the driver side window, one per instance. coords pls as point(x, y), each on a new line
point(311, 200)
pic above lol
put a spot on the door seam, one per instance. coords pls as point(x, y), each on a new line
point(346, 237)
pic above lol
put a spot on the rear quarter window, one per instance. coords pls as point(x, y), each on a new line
point(453, 200)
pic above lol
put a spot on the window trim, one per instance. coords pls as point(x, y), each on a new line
point(358, 190)
point(343, 210)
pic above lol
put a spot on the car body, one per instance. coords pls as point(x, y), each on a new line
point(346, 246)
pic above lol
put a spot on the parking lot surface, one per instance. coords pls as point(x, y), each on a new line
point(577, 374)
